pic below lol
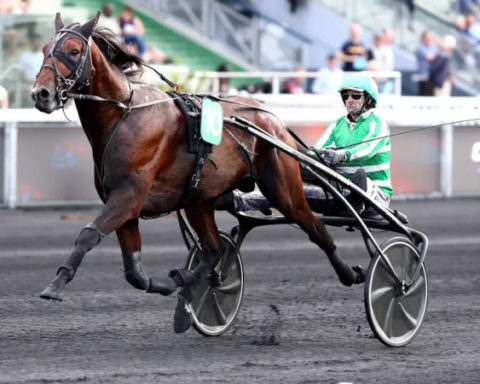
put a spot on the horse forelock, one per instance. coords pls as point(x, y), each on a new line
point(116, 53)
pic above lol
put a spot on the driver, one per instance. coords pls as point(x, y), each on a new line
point(366, 163)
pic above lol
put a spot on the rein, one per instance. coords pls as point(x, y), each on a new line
point(409, 131)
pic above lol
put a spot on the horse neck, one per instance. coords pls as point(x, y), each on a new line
point(99, 118)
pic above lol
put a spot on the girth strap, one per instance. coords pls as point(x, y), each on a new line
point(192, 113)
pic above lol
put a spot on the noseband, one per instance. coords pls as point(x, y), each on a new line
point(79, 69)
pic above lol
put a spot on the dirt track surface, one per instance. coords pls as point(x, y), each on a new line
point(297, 323)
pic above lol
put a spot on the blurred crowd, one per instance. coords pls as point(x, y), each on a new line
point(131, 30)
point(434, 54)
point(24, 51)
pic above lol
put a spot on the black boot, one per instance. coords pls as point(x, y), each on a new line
point(225, 202)
point(359, 178)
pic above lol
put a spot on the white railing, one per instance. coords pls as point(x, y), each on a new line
point(276, 78)
point(448, 156)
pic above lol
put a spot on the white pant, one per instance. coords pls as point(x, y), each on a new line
point(316, 198)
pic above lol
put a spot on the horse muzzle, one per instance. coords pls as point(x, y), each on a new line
point(44, 99)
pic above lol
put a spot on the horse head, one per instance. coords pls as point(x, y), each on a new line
point(67, 64)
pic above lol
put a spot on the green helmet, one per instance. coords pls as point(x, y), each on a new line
point(360, 82)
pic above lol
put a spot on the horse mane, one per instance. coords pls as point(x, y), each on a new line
point(114, 50)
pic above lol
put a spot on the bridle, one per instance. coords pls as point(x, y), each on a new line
point(80, 70)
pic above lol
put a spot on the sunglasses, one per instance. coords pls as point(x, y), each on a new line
point(355, 95)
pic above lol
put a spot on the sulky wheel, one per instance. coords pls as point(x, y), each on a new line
point(396, 314)
point(217, 300)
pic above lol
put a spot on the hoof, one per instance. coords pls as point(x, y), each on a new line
point(51, 293)
point(360, 274)
point(353, 275)
point(182, 320)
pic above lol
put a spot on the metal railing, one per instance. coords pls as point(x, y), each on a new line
point(275, 79)
point(262, 41)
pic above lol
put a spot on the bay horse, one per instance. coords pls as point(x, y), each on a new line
point(142, 165)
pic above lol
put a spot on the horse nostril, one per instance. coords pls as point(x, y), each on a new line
point(44, 94)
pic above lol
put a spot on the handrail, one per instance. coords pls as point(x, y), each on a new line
point(275, 77)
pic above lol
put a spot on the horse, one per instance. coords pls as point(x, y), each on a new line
point(138, 138)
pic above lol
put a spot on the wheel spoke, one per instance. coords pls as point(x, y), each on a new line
point(407, 260)
point(218, 310)
point(380, 293)
point(388, 323)
point(201, 303)
point(418, 284)
point(231, 288)
point(410, 319)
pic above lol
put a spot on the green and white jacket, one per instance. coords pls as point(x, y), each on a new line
point(373, 156)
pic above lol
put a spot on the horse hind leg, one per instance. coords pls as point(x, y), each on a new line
point(130, 242)
point(282, 185)
point(202, 220)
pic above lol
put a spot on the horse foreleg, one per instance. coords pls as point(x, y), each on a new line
point(130, 242)
point(88, 238)
point(202, 220)
point(122, 206)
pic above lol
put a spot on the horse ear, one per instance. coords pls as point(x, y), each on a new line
point(58, 22)
point(87, 28)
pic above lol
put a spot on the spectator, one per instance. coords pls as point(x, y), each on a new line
point(469, 7)
point(472, 33)
point(386, 61)
point(441, 68)
point(353, 53)
point(3, 98)
point(107, 19)
point(330, 77)
point(374, 62)
point(154, 55)
point(14, 6)
point(31, 60)
point(224, 82)
point(425, 53)
point(295, 4)
point(295, 84)
point(132, 30)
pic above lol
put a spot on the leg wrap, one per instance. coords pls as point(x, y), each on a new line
point(182, 320)
point(67, 270)
point(164, 286)
point(181, 276)
point(201, 273)
point(136, 275)
point(89, 237)
point(139, 279)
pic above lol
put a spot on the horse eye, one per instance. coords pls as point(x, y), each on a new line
point(74, 52)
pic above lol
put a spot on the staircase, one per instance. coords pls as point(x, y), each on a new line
point(181, 49)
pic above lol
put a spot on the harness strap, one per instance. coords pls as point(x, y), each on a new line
point(192, 112)
point(126, 108)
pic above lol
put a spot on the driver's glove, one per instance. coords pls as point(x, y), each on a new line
point(332, 156)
